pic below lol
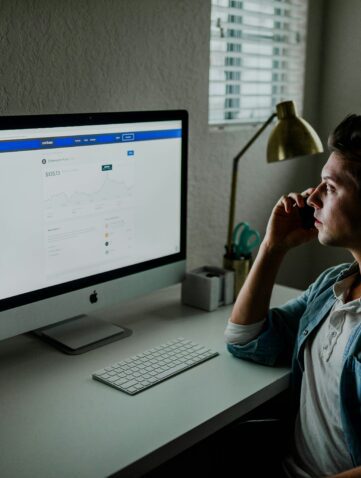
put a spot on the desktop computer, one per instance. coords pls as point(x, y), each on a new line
point(93, 213)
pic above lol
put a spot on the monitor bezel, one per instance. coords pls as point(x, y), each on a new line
point(90, 119)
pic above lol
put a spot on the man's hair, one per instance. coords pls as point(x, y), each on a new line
point(345, 140)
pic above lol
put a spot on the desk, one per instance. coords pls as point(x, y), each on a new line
point(56, 421)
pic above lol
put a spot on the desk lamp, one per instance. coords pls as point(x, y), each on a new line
point(292, 136)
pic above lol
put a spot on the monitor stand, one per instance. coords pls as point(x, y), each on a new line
point(81, 334)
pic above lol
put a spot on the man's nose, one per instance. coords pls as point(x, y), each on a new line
point(314, 200)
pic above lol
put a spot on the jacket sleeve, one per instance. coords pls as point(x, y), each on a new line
point(275, 344)
point(277, 338)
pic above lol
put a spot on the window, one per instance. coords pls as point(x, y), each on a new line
point(257, 58)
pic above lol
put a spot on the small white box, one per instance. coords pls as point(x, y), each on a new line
point(208, 288)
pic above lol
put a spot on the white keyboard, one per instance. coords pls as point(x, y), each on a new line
point(153, 366)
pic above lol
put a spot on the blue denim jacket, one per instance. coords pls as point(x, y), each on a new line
point(283, 339)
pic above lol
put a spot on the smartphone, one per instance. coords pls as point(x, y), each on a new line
point(307, 219)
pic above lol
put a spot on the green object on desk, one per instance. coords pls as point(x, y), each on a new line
point(244, 240)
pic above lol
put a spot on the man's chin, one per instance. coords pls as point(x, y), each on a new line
point(329, 241)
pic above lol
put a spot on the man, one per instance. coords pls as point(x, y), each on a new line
point(319, 333)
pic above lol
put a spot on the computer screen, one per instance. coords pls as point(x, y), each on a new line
point(93, 212)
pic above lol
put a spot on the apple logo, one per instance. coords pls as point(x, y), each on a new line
point(93, 297)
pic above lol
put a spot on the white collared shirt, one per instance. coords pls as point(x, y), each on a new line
point(320, 446)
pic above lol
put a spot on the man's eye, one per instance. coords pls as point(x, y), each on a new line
point(329, 189)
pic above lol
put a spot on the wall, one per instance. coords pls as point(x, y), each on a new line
point(91, 55)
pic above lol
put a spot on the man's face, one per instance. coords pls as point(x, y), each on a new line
point(337, 203)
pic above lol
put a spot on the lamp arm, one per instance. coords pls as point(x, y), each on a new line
point(234, 182)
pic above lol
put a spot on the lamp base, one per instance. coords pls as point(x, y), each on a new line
point(241, 268)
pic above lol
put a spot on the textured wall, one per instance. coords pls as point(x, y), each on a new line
point(86, 55)
point(108, 55)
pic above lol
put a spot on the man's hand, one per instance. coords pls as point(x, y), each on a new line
point(284, 229)
point(353, 473)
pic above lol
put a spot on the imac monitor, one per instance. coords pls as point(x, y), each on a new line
point(93, 213)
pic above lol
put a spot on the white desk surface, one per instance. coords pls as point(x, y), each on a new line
point(56, 421)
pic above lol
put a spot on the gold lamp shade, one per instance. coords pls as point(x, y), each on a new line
point(292, 136)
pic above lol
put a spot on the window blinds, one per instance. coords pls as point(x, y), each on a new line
point(257, 58)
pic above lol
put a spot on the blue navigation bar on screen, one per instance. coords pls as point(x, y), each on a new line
point(8, 146)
